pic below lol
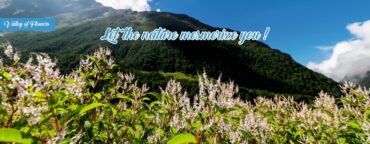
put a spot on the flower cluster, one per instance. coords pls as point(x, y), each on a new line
point(94, 103)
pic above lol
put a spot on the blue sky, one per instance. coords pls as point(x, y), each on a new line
point(297, 27)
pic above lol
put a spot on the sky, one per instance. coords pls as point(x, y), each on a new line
point(329, 36)
point(297, 27)
point(304, 29)
point(309, 30)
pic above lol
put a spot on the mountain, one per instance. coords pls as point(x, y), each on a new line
point(365, 81)
point(255, 67)
point(360, 79)
point(67, 12)
point(44, 8)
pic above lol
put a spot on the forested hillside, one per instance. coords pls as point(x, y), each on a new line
point(255, 67)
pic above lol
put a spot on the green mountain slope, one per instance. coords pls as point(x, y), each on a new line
point(253, 66)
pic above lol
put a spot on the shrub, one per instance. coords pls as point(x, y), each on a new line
point(95, 104)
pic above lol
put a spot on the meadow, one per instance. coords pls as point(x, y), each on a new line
point(96, 104)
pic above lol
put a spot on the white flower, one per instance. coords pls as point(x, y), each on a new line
point(9, 51)
point(77, 137)
point(155, 138)
point(16, 56)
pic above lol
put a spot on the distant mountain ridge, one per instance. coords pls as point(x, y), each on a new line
point(44, 8)
point(361, 79)
point(365, 81)
point(67, 12)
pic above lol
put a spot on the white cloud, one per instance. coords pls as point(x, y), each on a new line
point(348, 58)
point(4, 3)
point(325, 48)
point(135, 5)
point(158, 10)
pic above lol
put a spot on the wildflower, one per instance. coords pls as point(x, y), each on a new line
point(155, 138)
point(39, 91)
point(59, 137)
point(110, 62)
point(9, 51)
point(16, 56)
point(177, 122)
point(77, 137)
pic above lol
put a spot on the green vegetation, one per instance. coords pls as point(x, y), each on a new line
point(157, 80)
point(95, 104)
point(179, 76)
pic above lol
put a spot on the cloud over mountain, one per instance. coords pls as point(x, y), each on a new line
point(4, 3)
point(135, 5)
point(350, 58)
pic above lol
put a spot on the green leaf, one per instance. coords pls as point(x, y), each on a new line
point(90, 107)
point(174, 130)
point(5, 75)
point(145, 99)
point(155, 103)
point(114, 110)
point(354, 125)
point(182, 139)
point(98, 96)
point(157, 95)
point(90, 82)
point(298, 133)
point(14, 136)
point(96, 61)
point(108, 76)
point(92, 58)
point(39, 94)
point(121, 96)
point(342, 141)
point(114, 65)
point(197, 125)
point(70, 81)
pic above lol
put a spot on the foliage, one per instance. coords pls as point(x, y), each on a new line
point(13, 135)
point(179, 76)
point(94, 104)
point(182, 138)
